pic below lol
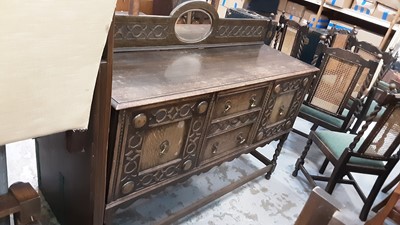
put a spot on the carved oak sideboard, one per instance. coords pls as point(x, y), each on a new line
point(179, 106)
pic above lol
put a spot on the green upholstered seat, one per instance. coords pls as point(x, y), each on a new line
point(321, 116)
point(383, 85)
point(337, 142)
point(372, 108)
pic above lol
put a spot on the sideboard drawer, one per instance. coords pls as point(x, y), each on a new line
point(225, 143)
point(230, 103)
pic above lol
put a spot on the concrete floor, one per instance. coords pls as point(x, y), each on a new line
point(275, 201)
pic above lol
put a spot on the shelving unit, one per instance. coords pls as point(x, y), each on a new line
point(390, 30)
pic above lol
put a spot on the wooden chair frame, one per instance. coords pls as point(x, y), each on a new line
point(342, 167)
point(322, 60)
point(272, 29)
point(334, 32)
point(388, 59)
point(300, 39)
point(388, 208)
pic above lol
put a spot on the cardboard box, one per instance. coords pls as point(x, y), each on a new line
point(385, 13)
point(221, 11)
point(394, 4)
point(362, 34)
point(292, 17)
point(340, 3)
point(310, 16)
point(295, 9)
point(146, 7)
point(364, 6)
point(122, 5)
point(288, 16)
point(232, 3)
point(282, 5)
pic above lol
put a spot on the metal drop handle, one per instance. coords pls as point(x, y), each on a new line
point(253, 101)
point(214, 148)
point(240, 139)
point(164, 147)
point(281, 110)
point(228, 106)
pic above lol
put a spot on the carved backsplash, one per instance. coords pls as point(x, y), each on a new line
point(148, 31)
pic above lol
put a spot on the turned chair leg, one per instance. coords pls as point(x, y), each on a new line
point(300, 161)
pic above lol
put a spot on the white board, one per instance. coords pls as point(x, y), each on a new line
point(50, 52)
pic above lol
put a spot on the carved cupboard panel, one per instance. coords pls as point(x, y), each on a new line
point(282, 107)
point(156, 143)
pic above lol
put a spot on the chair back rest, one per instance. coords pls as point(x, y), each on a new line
point(336, 82)
point(340, 38)
point(271, 32)
point(291, 37)
point(370, 52)
point(384, 139)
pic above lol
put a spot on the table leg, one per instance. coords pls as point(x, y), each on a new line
point(3, 180)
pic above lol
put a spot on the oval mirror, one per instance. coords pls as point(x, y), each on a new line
point(193, 26)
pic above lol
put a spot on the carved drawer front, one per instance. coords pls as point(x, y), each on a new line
point(225, 143)
point(156, 143)
point(282, 107)
point(230, 103)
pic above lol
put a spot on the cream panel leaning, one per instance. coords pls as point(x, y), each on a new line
point(49, 59)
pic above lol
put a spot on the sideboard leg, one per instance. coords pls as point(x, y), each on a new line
point(276, 154)
point(4, 180)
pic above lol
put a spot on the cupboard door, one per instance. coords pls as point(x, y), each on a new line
point(156, 143)
point(282, 107)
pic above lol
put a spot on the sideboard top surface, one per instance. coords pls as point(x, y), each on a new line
point(148, 77)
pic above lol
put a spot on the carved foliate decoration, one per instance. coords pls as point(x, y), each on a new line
point(239, 31)
point(172, 113)
point(155, 31)
point(232, 123)
point(130, 31)
point(131, 178)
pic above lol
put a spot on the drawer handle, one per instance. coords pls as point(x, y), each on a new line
point(164, 147)
point(240, 139)
point(214, 148)
point(228, 106)
point(281, 110)
point(253, 101)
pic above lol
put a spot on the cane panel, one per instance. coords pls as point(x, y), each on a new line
point(340, 41)
point(366, 55)
point(336, 78)
point(360, 82)
point(388, 133)
point(289, 40)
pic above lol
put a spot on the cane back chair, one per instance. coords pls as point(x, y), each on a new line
point(340, 38)
point(376, 154)
point(336, 83)
point(371, 52)
point(290, 37)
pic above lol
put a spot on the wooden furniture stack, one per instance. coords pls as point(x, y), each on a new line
point(178, 107)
